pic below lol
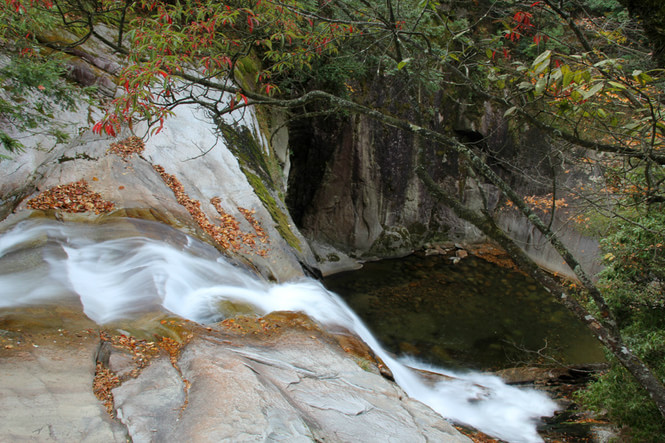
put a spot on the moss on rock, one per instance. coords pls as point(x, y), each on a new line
point(262, 171)
point(250, 153)
point(280, 217)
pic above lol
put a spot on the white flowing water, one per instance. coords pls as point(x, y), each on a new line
point(45, 261)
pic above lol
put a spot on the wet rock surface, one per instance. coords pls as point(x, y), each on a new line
point(278, 377)
point(46, 384)
point(274, 378)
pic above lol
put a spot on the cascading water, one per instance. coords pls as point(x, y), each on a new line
point(118, 278)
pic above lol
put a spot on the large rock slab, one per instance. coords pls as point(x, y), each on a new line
point(136, 189)
point(46, 392)
point(281, 380)
point(190, 147)
point(273, 378)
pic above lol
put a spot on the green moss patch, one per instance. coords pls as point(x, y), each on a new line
point(282, 220)
point(249, 152)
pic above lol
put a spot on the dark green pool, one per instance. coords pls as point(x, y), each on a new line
point(473, 314)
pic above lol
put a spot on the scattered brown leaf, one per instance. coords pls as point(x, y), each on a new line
point(249, 216)
point(228, 234)
point(142, 351)
point(495, 255)
point(125, 148)
point(105, 380)
point(172, 348)
point(476, 436)
point(72, 197)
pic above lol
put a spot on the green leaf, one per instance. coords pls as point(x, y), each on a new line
point(618, 85)
point(593, 91)
point(510, 111)
point(403, 63)
point(525, 86)
point(556, 75)
point(586, 75)
point(540, 68)
point(541, 58)
point(642, 77)
point(575, 95)
point(568, 75)
point(661, 127)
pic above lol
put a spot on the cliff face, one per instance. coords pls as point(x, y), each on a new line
point(361, 194)
point(367, 200)
point(353, 184)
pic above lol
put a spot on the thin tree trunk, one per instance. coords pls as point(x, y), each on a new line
point(610, 338)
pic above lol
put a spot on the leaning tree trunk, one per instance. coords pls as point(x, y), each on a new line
point(607, 333)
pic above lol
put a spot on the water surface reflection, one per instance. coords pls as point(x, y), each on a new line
point(473, 314)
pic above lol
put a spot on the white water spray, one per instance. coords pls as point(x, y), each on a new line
point(42, 261)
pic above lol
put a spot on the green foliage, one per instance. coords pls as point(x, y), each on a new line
point(626, 403)
point(635, 252)
point(21, 21)
point(9, 144)
point(33, 87)
point(25, 75)
point(34, 90)
point(633, 285)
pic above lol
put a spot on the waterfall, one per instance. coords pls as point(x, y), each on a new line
point(118, 275)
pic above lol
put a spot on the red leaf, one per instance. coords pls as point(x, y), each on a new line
point(161, 126)
point(109, 130)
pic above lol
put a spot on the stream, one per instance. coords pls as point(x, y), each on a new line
point(122, 269)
